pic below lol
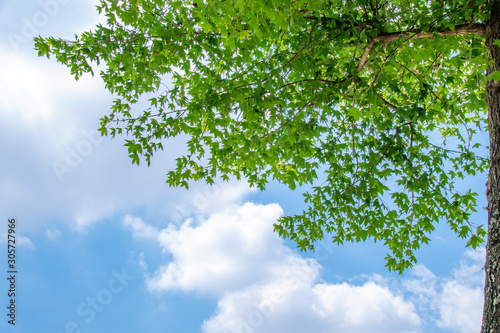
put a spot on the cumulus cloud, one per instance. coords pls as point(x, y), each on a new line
point(263, 285)
point(457, 299)
point(370, 307)
point(229, 250)
point(313, 307)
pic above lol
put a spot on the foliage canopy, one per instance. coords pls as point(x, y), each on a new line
point(344, 95)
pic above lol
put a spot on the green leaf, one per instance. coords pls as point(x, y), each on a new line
point(355, 113)
point(493, 76)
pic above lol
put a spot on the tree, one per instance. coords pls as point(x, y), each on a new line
point(345, 95)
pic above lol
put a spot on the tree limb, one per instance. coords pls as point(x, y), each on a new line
point(362, 61)
point(386, 38)
point(392, 106)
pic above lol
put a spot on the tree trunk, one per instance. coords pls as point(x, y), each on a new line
point(491, 314)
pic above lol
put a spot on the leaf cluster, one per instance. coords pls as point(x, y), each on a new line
point(345, 96)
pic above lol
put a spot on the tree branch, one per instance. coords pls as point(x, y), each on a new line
point(392, 106)
point(386, 38)
point(462, 29)
point(362, 61)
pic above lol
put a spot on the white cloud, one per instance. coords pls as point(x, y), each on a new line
point(229, 250)
point(370, 307)
point(21, 241)
point(262, 285)
point(461, 298)
point(423, 286)
point(142, 263)
point(139, 228)
point(53, 233)
point(19, 23)
point(26, 242)
point(309, 307)
point(457, 300)
point(460, 307)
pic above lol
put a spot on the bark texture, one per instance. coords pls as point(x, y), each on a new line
point(491, 313)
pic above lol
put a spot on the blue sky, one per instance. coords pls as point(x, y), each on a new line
point(106, 246)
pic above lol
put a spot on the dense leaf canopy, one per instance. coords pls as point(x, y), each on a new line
point(347, 96)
